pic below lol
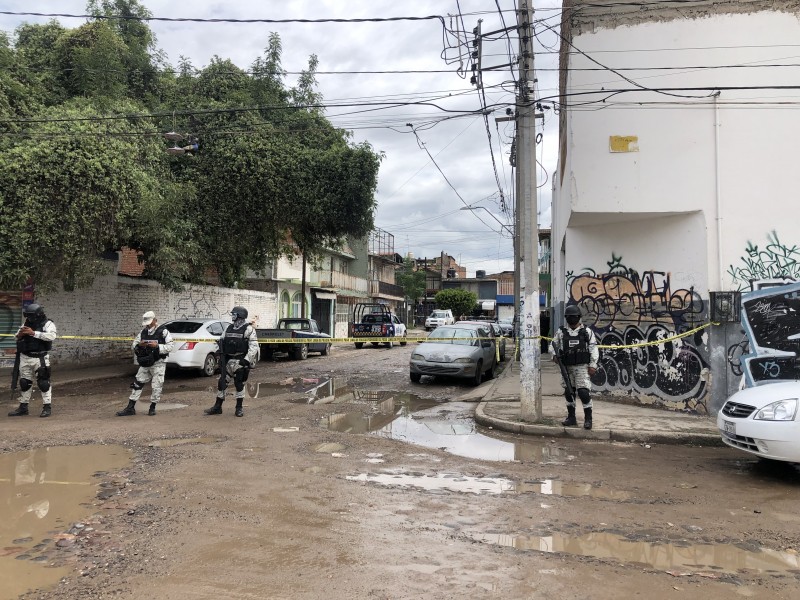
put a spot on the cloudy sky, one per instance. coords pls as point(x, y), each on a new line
point(448, 158)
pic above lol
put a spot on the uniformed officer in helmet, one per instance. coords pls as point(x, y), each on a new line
point(239, 352)
point(576, 347)
point(34, 341)
point(151, 346)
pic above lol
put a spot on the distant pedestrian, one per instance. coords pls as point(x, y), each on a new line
point(576, 347)
point(34, 341)
point(239, 352)
point(150, 347)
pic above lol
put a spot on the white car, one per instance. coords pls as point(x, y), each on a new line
point(195, 343)
point(764, 421)
point(438, 318)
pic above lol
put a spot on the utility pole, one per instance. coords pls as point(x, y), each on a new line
point(528, 338)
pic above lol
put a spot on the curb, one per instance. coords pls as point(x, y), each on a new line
point(654, 437)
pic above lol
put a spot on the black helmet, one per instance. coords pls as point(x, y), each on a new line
point(572, 311)
point(239, 312)
point(33, 311)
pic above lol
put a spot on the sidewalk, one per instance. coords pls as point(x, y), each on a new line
point(500, 409)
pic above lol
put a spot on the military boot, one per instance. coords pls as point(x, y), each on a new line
point(216, 409)
point(587, 418)
point(21, 411)
point(46, 411)
point(570, 421)
point(129, 410)
point(239, 412)
point(152, 411)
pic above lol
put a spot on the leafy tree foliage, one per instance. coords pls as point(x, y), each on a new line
point(411, 280)
point(461, 302)
point(271, 174)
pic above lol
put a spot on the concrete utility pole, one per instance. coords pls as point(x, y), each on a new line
point(528, 234)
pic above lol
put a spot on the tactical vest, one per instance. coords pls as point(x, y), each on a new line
point(147, 356)
point(235, 342)
point(575, 348)
point(34, 346)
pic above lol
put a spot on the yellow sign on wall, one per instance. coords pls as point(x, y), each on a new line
point(623, 143)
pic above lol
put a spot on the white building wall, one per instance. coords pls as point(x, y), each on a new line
point(113, 307)
point(703, 196)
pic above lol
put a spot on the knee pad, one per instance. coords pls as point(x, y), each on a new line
point(137, 385)
point(239, 379)
point(584, 395)
point(25, 384)
point(44, 384)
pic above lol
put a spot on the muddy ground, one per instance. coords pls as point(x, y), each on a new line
point(252, 508)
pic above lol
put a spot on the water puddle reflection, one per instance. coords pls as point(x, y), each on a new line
point(457, 482)
point(42, 492)
point(666, 556)
point(448, 426)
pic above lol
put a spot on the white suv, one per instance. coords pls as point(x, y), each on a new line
point(439, 317)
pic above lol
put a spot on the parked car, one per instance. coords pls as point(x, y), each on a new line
point(438, 318)
point(293, 331)
point(763, 421)
point(195, 343)
point(495, 331)
point(507, 326)
point(372, 320)
point(455, 351)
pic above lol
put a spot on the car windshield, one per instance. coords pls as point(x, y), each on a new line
point(460, 337)
point(438, 314)
point(294, 325)
point(183, 326)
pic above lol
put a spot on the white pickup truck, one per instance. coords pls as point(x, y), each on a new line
point(437, 318)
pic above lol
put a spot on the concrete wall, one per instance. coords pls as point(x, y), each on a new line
point(113, 307)
point(670, 196)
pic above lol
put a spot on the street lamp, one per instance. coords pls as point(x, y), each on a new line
point(491, 214)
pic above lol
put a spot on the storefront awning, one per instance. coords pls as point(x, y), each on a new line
point(487, 304)
point(324, 295)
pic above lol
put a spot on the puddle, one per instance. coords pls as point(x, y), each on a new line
point(165, 443)
point(706, 558)
point(448, 426)
point(456, 482)
point(42, 493)
point(332, 391)
point(555, 487)
point(452, 482)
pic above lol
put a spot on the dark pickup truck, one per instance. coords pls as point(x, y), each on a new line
point(294, 332)
point(376, 321)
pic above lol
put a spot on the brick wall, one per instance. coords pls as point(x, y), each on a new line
point(113, 307)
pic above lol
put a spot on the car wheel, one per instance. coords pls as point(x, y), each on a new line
point(209, 365)
point(301, 353)
point(359, 345)
point(325, 350)
point(490, 372)
point(375, 344)
point(389, 344)
point(415, 377)
point(476, 379)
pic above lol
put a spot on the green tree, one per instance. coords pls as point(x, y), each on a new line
point(461, 302)
point(78, 188)
point(411, 280)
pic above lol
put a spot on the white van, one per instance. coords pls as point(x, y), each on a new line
point(439, 317)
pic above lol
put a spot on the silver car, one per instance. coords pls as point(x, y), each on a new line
point(467, 352)
point(495, 332)
point(195, 343)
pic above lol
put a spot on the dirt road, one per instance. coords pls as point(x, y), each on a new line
point(319, 492)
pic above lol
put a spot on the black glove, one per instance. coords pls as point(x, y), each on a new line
point(244, 363)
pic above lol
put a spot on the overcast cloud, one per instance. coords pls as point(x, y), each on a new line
point(415, 202)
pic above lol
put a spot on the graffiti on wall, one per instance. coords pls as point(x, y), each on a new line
point(197, 304)
point(625, 307)
point(771, 323)
point(775, 262)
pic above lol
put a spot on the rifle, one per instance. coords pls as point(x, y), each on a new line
point(14, 376)
point(564, 373)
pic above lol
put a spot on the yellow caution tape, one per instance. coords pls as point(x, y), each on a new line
point(370, 339)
